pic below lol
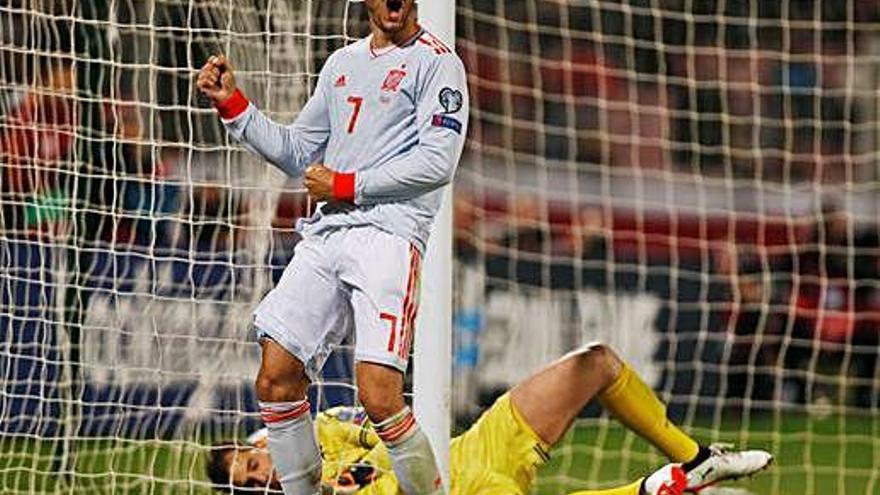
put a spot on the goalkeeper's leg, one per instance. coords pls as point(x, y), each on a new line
point(635, 405)
point(281, 389)
point(551, 399)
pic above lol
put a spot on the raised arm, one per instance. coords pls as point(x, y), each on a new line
point(289, 147)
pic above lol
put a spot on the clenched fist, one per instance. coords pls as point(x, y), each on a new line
point(216, 79)
point(326, 185)
point(319, 182)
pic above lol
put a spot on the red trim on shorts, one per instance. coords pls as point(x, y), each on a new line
point(233, 106)
point(414, 307)
point(410, 302)
point(270, 416)
point(407, 300)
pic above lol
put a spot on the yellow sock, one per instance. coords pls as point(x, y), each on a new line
point(632, 489)
point(634, 404)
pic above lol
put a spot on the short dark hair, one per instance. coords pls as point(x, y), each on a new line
point(219, 472)
point(218, 466)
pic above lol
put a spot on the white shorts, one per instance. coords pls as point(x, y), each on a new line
point(360, 276)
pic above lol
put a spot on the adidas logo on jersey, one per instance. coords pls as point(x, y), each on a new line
point(340, 82)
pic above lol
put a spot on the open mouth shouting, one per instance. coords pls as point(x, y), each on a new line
point(395, 10)
point(393, 17)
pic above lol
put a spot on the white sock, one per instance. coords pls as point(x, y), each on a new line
point(292, 443)
point(411, 455)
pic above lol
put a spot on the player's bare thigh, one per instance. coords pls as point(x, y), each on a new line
point(551, 399)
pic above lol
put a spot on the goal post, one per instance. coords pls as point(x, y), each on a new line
point(432, 360)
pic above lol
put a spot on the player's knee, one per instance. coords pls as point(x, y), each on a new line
point(599, 357)
point(280, 387)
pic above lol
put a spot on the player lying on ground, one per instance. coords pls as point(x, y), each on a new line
point(501, 452)
point(381, 135)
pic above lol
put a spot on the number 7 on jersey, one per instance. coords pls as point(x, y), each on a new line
point(356, 101)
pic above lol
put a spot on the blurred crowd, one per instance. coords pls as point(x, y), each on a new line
point(811, 309)
point(120, 180)
point(787, 96)
point(735, 93)
point(781, 92)
point(92, 138)
point(791, 307)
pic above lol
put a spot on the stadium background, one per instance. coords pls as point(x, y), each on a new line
point(692, 181)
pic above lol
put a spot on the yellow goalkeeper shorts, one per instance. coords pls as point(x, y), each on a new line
point(499, 454)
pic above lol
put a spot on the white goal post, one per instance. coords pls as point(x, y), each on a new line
point(432, 362)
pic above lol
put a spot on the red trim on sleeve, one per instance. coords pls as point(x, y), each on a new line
point(343, 187)
point(233, 106)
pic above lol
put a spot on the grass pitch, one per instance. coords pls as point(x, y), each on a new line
point(813, 456)
point(836, 454)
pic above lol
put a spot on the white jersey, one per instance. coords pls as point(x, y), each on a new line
point(396, 118)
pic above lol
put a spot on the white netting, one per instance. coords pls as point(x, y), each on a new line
point(694, 182)
point(135, 239)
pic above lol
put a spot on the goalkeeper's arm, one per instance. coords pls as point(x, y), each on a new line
point(289, 147)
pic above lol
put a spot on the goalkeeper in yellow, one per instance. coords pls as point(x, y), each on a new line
point(501, 452)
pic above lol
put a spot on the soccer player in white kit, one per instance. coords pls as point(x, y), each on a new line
point(380, 136)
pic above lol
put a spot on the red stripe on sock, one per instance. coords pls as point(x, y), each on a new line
point(405, 429)
point(397, 431)
point(270, 416)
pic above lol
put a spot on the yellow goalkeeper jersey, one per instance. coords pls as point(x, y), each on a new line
point(499, 454)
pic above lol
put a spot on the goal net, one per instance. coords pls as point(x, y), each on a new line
point(136, 239)
point(694, 183)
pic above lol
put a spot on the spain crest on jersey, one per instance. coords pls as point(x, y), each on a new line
point(393, 79)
